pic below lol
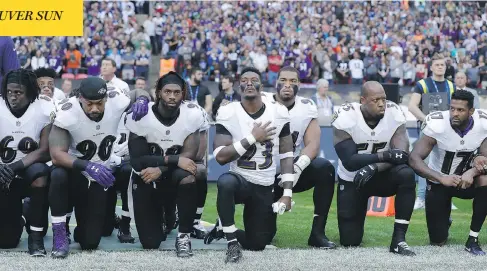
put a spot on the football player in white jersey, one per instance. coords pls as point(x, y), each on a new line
point(25, 122)
point(372, 145)
point(80, 145)
point(249, 134)
point(309, 171)
point(453, 138)
point(45, 79)
point(163, 146)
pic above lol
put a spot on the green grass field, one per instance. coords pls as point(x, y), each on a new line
point(293, 228)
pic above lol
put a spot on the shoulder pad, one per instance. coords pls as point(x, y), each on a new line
point(206, 124)
point(482, 117)
point(118, 99)
point(312, 110)
point(434, 123)
point(267, 95)
point(225, 112)
point(66, 116)
point(195, 116)
point(281, 111)
point(344, 117)
point(396, 111)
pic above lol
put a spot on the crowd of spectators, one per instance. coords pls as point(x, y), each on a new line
point(342, 42)
point(110, 30)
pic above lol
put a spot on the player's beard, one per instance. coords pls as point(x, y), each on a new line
point(95, 117)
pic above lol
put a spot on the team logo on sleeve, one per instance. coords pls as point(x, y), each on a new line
point(335, 116)
point(112, 94)
point(45, 98)
point(66, 106)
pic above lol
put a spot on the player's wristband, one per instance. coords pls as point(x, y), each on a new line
point(289, 154)
point(239, 148)
point(80, 164)
point(303, 162)
point(251, 139)
point(287, 177)
point(288, 193)
point(173, 160)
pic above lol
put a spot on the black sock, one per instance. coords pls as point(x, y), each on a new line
point(39, 206)
point(186, 203)
point(231, 236)
point(479, 209)
point(202, 188)
point(399, 233)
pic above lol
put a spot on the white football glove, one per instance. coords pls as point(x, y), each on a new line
point(279, 207)
point(297, 174)
point(120, 149)
point(114, 160)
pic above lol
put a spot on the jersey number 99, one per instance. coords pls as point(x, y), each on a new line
point(155, 149)
point(26, 145)
point(244, 160)
point(88, 148)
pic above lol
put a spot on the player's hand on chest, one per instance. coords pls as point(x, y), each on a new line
point(263, 131)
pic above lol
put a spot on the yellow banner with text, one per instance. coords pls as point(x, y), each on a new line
point(41, 18)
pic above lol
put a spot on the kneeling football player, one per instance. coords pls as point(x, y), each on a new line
point(25, 121)
point(163, 146)
point(453, 138)
point(80, 144)
point(372, 145)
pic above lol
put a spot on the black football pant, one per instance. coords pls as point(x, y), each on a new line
point(89, 199)
point(122, 178)
point(31, 182)
point(352, 204)
point(438, 209)
point(258, 216)
point(148, 200)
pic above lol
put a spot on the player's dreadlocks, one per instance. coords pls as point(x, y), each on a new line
point(22, 77)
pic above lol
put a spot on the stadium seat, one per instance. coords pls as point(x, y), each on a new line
point(68, 76)
point(81, 76)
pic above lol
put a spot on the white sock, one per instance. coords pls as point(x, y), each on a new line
point(58, 219)
point(229, 229)
point(125, 213)
point(199, 210)
point(32, 228)
point(401, 221)
point(474, 234)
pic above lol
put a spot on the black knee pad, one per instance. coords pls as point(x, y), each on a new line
point(227, 181)
point(59, 175)
point(405, 175)
point(179, 174)
point(325, 167)
point(36, 171)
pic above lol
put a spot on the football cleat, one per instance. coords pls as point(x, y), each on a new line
point(124, 235)
point(401, 248)
point(183, 246)
point(473, 247)
point(321, 242)
point(214, 234)
point(60, 245)
point(234, 253)
point(68, 233)
point(199, 232)
point(36, 244)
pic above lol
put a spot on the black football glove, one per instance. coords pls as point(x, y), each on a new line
point(6, 176)
point(395, 156)
point(364, 175)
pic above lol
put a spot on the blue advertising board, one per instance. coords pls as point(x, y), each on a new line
point(326, 145)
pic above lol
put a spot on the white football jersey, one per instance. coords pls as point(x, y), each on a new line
point(91, 140)
point(303, 111)
point(167, 140)
point(20, 136)
point(452, 153)
point(257, 165)
point(349, 118)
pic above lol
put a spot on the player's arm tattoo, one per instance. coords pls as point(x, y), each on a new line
point(191, 146)
point(347, 151)
point(140, 157)
point(311, 138)
point(40, 155)
point(59, 140)
point(422, 148)
point(203, 146)
point(223, 146)
point(400, 139)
